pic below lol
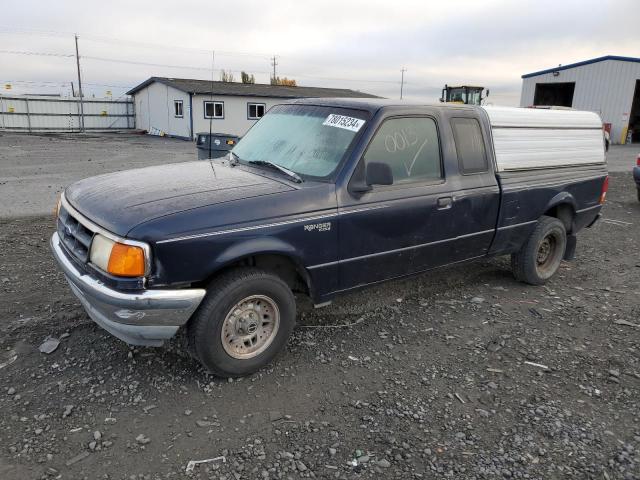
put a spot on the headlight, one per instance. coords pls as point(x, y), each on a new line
point(117, 258)
point(101, 251)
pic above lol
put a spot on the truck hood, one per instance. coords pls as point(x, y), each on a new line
point(120, 201)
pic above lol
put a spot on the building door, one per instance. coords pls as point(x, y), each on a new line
point(554, 94)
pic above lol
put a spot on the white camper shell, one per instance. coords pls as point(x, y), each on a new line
point(531, 138)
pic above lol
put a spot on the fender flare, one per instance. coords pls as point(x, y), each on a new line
point(261, 246)
point(562, 198)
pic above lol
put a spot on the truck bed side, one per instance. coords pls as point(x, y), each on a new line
point(571, 194)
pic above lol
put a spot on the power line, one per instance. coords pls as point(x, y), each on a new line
point(205, 69)
point(31, 31)
point(40, 54)
point(107, 85)
point(104, 39)
point(195, 68)
point(39, 82)
point(148, 64)
point(111, 40)
point(341, 79)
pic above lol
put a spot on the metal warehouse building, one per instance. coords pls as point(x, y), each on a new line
point(181, 107)
point(609, 86)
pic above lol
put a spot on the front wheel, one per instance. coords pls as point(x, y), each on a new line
point(243, 323)
point(541, 255)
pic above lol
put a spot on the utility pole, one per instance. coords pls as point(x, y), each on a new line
point(81, 119)
point(274, 63)
point(402, 81)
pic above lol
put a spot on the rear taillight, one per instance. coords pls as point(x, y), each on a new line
point(605, 187)
point(638, 160)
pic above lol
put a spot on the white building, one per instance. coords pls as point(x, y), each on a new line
point(182, 107)
point(609, 86)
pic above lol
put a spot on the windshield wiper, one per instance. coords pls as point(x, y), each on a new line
point(297, 178)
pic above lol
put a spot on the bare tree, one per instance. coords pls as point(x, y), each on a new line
point(246, 78)
point(226, 76)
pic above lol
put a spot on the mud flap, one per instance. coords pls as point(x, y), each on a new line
point(593, 222)
point(570, 250)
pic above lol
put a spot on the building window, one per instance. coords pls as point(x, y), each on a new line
point(213, 109)
point(255, 110)
point(177, 108)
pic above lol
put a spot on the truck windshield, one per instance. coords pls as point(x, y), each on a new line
point(308, 140)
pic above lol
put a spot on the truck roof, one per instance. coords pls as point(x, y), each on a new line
point(373, 104)
point(523, 138)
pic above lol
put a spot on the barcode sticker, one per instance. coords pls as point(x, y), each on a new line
point(342, 121)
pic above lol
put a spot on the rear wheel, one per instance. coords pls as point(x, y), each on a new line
point(541, 255)
point(242, 323)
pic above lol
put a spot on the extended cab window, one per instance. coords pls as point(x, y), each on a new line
point(472, 156)
point(410, 147)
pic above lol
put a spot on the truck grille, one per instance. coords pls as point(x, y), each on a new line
point(74, 235)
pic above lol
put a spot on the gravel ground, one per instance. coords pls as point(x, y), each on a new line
point(44, 164)
point(463, 373)
point(622, 158)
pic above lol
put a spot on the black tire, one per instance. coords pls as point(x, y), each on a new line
point(639, 194)
point(224, 294)
point(541, 255)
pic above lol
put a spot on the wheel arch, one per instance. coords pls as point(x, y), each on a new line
point(563, 206)
point(268, 253)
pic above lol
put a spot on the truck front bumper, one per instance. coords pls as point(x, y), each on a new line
point(144, 318)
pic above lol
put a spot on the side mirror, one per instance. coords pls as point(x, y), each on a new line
point(376, 173)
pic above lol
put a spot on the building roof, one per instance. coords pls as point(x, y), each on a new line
point(581, 64)
point(207, 87)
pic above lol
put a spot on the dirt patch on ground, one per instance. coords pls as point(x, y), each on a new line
point(43, 165)
point(462, 373)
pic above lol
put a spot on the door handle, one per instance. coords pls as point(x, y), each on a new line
point(445, 203)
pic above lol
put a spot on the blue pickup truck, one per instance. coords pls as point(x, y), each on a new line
point(322, 197)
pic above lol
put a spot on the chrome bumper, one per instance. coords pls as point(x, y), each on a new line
point(146, 318)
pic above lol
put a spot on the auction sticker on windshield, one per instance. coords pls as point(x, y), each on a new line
point(342, 121)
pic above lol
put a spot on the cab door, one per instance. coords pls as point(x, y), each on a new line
point(401, 228)
point(477, 198)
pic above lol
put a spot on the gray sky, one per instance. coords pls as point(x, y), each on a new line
point(352, 44)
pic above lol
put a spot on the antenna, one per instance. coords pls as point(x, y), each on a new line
point(402, 81)
point(213, 110)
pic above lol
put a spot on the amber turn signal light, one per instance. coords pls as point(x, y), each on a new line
point(126, 261)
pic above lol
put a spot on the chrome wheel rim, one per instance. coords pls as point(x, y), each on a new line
point(250, 327)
